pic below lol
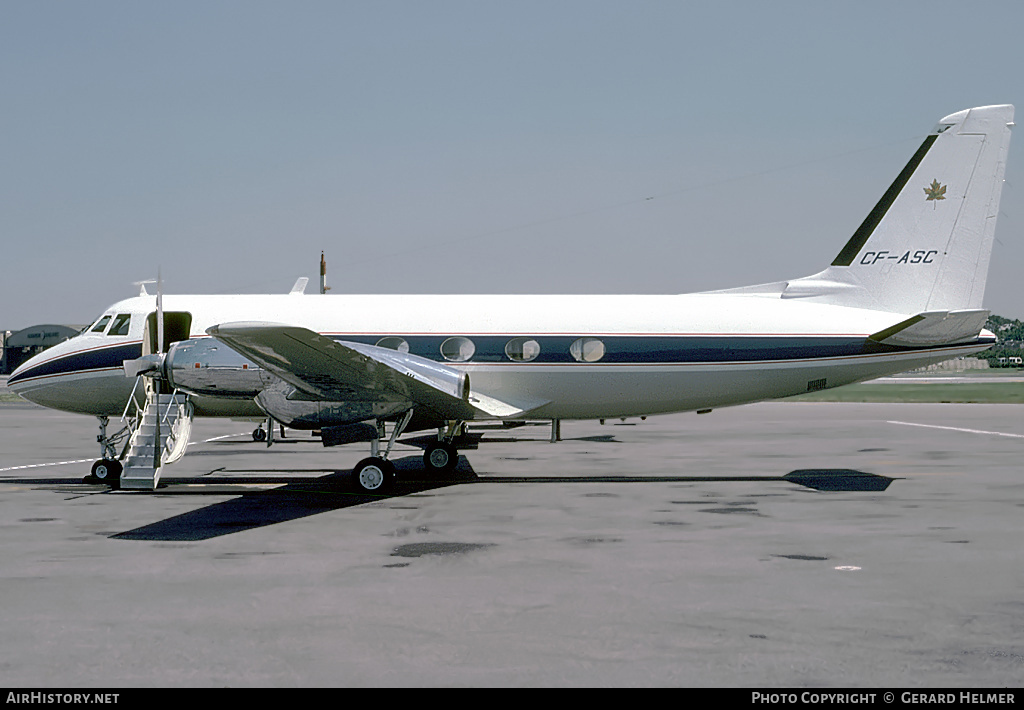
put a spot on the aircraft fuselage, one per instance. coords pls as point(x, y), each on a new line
point(586, 357)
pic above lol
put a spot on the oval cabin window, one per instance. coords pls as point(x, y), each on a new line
point(587, 350)
point(393, 342)
point(457, 349)
point(522, 349)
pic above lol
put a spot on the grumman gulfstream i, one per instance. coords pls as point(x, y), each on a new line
point(905, 291)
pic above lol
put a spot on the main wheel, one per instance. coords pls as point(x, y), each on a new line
point(106, 471)
point(440, 457)
point(373, 475)
point(258, 434)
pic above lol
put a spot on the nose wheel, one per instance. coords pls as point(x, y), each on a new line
point(106, 471)
point(108, 468)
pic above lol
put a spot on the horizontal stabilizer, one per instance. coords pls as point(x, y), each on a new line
point(934, 328)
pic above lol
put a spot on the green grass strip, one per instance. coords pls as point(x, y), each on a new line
point(968, 392)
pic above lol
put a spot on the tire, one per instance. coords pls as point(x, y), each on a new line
point(373, 475)
point(106, 471)
point(440, 457)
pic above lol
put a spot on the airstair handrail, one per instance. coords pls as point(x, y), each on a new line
point(131, 399)
point(172, 403)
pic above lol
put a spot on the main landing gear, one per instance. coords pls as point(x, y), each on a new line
point(441, 456)
point(376, 474)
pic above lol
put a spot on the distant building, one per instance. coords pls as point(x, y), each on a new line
point(19, 346)
point(4, 335)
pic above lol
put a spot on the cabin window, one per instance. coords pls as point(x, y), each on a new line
point(101, 324)
point(587, 350)
point(457, 349)
point(522, 349)
point(121, 323)
point(393, 342)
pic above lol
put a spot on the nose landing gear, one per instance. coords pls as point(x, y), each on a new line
point(107, 469)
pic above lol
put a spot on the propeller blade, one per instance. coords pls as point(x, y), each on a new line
point(145, 365)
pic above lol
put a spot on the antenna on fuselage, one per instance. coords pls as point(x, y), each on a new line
point(324, 288)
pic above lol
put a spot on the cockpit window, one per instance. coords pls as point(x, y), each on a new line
point(88, 327)
point(120, 326)
point(101, 324)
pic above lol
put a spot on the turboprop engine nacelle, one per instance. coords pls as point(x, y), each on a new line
point(204, 366)
point(289, 407)
point(207, 367)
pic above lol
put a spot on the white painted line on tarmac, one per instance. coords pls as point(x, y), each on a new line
point(227, 436)
point(39, 465)
point(65, 463)
point(954, 428)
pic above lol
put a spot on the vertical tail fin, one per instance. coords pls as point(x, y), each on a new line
point(926, 245)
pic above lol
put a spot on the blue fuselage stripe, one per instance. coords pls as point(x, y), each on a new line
point(554, 350)
point(657, 349)
point(104, 358)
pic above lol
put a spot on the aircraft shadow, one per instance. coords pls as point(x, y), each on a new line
point(297, 498)
point(303, 497)
point(822, 479)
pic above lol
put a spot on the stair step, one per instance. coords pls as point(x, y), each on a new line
point(161, 413)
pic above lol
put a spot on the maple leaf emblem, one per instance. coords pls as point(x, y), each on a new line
point(935, 191)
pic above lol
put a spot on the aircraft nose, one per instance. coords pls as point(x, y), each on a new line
point(21, 373)
point(26, 381)
point(73, 378)
point(43, 379)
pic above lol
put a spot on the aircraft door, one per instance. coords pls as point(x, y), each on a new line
point(177, 326)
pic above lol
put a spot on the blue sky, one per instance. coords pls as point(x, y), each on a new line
point(470, 147)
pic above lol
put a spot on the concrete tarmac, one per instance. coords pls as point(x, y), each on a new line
point(626, 555)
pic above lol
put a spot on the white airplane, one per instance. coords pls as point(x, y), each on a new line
point(904, 292)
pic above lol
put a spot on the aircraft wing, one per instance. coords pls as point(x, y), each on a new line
point(934, 328)
point(336, 370)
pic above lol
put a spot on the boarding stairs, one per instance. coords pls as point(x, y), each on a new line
point(163, 426)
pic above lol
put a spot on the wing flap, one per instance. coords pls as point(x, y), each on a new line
point(500, 409)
